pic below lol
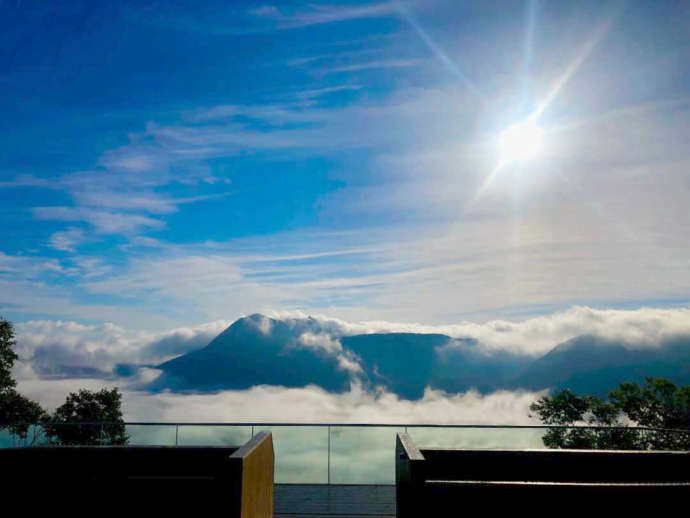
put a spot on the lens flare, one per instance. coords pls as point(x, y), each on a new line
point(520, 141)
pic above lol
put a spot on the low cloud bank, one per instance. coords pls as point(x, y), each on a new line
point(294, 405)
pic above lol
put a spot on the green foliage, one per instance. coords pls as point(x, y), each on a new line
point(17, 413)
point(657, 404)
point(7, 355)
point(89, 417)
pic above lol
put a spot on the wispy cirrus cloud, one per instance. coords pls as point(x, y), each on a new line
point(375, 64)
point(317, 14)
point(118, 200)
point(67, 240)
point(318, 92)
point(103, 221)
point(29, 267)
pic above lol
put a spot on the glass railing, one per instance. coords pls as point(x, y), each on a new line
point(326, 453)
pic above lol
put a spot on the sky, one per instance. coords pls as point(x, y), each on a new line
point(175, 164)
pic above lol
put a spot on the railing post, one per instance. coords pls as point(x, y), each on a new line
point(329, 455)
point(177, 433)
point(252, 430)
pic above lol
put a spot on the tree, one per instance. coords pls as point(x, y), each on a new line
point(17, 413)
point(7, 355)
point(89, 417)
point(658, 404)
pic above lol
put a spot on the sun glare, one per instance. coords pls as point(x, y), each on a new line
point(520, 141)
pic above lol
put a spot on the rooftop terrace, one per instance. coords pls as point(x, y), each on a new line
point(330, 469)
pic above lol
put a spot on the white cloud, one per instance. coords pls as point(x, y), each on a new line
point(67, 240)
point(311, 94)
point(13, 267)
point(9, 263)
point(348, 362)
point(319, 14)
point(327, 344)
point(63, 348)
point(112, 200)
point(104, 221)
point(293, 405)
point(319, 342)
point(375, 64)
point(644, 327)
point(92, 267)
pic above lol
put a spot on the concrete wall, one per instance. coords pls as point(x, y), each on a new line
point(442, 482)
point(88, 480)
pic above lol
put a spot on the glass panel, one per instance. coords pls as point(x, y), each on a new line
point(34, 437)
point(213, 435)
point(151, 435)
point(76, 433)
point(7, 440)
point(363, 454)
point(301, 453)
point(476, 438)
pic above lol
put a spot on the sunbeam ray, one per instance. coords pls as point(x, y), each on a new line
point(450, 65)
point(528, 49)
point(584, 52)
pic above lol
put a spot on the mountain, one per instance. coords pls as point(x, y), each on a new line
point(257, 350)
point(406, 363)
point(590, 364)
point(253, 351)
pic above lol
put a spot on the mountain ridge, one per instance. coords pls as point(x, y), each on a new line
point(258, 350)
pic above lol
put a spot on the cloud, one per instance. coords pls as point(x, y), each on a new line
point(67, 240)
point(175, 276)
point(110, 200)
point(308, 405)
point(319, 342)
point(311, 94)
point(263, 324)
point(9, 263)
point(265, 10)
point(644, 327)
point(104, 221)
point(327, 344)
point(91, 267)
point(320, 14)
point(67, 349)
point(13, 267)
point(375, 64)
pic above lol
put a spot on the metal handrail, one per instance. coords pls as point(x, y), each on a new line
point(328, 429)
point(369, 425)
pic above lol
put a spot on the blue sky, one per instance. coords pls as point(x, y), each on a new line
point(171, 163)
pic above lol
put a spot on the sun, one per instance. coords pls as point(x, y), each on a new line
point(520, 142)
